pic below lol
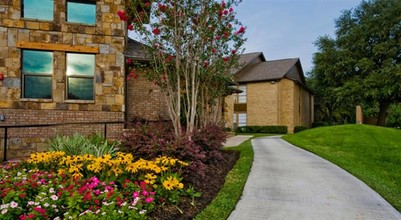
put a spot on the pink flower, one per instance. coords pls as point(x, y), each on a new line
point(145, 193)
point(135, 195)
point(225, 12)
point(231, 9)
point(223, 4)
point(156, 31)
point(149, 200)
point(218, 37)
point(122, 15)
point(147, 5)
point(97, 192)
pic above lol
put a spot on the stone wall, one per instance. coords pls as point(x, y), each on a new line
point(107, 38)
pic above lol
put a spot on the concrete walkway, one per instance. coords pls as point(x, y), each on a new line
point(236, 140)
point(287, 183)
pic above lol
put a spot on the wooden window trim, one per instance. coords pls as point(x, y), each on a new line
point(57, 47)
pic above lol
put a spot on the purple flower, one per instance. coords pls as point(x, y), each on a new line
point(149, 199)
point(135, 195)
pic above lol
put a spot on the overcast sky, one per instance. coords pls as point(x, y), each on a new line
point(288, 28)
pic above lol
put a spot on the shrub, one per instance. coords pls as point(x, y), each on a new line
point(299, 129)
point(274, 129)
point(319, 124)
point(80, 145)
point(152, 140)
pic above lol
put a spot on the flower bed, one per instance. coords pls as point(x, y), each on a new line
point(55, 186)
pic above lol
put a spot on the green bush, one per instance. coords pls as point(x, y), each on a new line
point(273, 129)
point(78, 144)
point(319, 124)
point(299, 129)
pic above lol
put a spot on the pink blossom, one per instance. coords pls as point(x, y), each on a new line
point(149, 199)
point(135, 195)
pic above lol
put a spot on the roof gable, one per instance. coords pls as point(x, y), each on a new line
point(269, 70)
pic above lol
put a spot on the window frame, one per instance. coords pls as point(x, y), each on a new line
point(40, 19)
point(24, 74)
point(89, 2)
point(243, 94)
point(77, 76)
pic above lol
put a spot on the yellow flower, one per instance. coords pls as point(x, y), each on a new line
point(168, 185)
point(61, 171)
point(77, 175)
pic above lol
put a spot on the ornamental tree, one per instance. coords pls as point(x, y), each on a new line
point(192, 44)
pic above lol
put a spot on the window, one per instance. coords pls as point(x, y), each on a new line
point(242, 95)
point(38, 9)
point(37, 70)
point(239, 120)
point(79, 11)
point(80, 76)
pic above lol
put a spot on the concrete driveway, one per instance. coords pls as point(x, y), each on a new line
point(287, 182)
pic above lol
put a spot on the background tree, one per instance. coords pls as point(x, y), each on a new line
point(367, 65)
point(192, 44)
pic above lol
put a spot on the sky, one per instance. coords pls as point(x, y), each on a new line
point(288, 28)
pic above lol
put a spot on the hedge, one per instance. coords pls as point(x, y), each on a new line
point(299, 129)
point(276, 129)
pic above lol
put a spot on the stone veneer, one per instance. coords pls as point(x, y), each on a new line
point(108, 36)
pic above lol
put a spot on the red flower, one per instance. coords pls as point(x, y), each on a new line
point(225, 12)
point(226, 35)
point(147, 5)
point(234, 52)
point(231, 9)
point(226, 59)
point(122, 15)
point(220, 13)
point(223, 4)
point(130, 27)
point(162, 7)
point(129, 61)
point(156, 31)
point(31, 216)
point(214, 51)
point(218, 37)
point(241, 30)
point(205, 64)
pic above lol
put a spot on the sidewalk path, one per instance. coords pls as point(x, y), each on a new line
point(287, 183)
point(236, 140)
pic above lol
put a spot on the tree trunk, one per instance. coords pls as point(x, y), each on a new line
point(381, 118)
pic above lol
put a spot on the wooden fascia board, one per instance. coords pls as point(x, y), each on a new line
point(57, 47)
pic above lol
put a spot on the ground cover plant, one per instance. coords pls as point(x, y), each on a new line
point(371, 153)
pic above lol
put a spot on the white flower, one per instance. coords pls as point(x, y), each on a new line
point(54, 197)
point(4, 206)
point(14, 204)
point(31, 203)
point(51, 190)
point(57, 218)
point(46, 204)
point(103, 213)
point(142, 212)
point(4, 211)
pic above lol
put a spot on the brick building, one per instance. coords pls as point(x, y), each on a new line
point(60, 61)
point(274, 93)
point(145, 101)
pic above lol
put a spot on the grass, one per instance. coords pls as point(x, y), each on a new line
point(371, 153)
point(225, 202)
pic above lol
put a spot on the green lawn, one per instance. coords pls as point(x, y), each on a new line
point(371, 153)
point(225, 202)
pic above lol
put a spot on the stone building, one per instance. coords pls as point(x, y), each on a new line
point(60, 62)
point(274, 93)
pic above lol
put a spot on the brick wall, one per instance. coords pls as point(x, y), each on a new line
point(281, 102)
point(262, 103)
point(108, 35)
point(145, 100)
